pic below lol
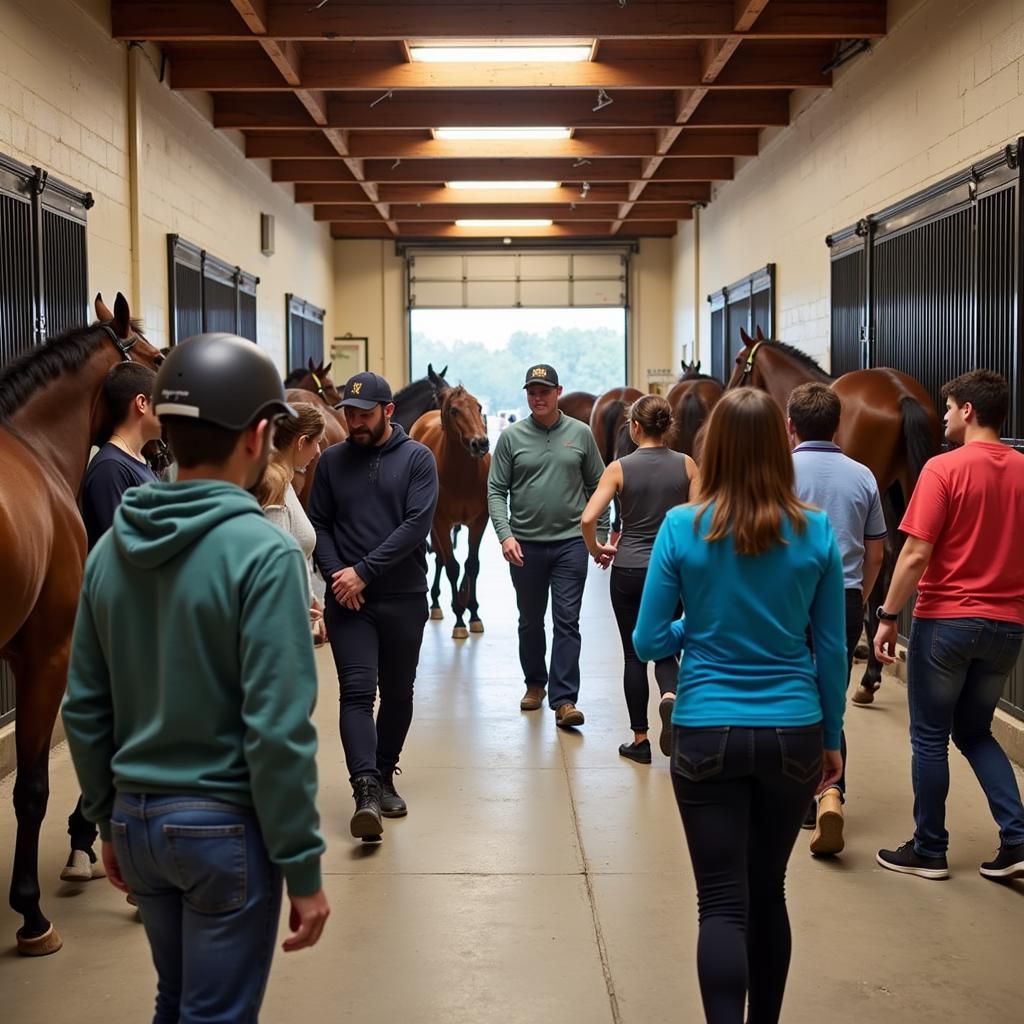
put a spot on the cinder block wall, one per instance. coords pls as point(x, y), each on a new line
point(64, 105)
point(945, 87)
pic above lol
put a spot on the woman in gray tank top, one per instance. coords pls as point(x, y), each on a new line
point(649, 482)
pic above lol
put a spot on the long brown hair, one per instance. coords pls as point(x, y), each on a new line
point(746, 472)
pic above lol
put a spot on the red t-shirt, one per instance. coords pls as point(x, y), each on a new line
point(969, 503)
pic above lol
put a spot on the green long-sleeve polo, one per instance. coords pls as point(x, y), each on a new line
point(541, 479)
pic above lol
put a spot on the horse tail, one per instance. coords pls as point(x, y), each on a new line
point(689, 418)
point(609, 424)
point(918, 438)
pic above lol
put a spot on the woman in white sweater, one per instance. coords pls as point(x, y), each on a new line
point(296, 441)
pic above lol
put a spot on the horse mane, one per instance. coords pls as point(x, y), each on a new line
point(801, 357)
point(294, 376)
point(67, 353)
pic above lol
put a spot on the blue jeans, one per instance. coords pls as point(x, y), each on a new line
point(956, 671)
point(558, 567)
point(209, 899)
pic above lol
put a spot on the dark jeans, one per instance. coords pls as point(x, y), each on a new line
point(558, 567)
point(742, 794)
point(626, 588)
point(956, 671)
point(377, 646)
point(210, 900)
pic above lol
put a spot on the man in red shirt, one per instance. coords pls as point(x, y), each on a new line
point(964, 555)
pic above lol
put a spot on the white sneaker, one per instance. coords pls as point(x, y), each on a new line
point(81, 868)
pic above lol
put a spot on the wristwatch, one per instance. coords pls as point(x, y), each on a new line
point(884, 616)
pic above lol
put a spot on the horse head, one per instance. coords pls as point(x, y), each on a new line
point(691, 371)
point(462, 419)
point(317, 378)
point(437, 382)
point(126, 333)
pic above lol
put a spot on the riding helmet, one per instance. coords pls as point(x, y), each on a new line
point(222, 379)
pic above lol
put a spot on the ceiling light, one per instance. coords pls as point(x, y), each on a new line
point(509, 185)
point(500, 54)
point(465, 134)
point(503, 222)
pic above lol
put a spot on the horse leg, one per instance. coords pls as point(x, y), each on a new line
point(451, 567)
point(435, 591)
point(472, 572)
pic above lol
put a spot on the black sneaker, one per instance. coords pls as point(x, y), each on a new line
point(639, 752)
point(908, 862)
point(665, 709)
point(1009, 863)
point(811, 817)
point(391, 804)
point(366, 822)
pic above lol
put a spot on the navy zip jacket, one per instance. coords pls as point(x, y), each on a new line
point(372, 509)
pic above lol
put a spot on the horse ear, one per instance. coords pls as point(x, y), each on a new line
point(746, 339)
point(103, 313)
point(310, 366)
point(443, 372)
point(760, 336)
point(327, 369)
point(122, 317)
point(431, 376)
point(697, 367)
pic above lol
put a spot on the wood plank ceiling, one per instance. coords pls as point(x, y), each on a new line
point(671, 95)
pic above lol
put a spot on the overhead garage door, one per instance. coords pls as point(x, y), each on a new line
point(526, 279)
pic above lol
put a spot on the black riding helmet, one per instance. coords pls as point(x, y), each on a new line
point(221, 379)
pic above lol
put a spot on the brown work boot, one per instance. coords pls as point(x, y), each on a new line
point(828, 833)
point(568, 716)
point(533, 699)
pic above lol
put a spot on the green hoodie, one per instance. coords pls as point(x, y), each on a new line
point(192, 666)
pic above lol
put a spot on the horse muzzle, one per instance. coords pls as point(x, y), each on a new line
point(479, 447)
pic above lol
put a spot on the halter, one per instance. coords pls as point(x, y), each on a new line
point(320, 390)
point(123, 345)
point(748, 369)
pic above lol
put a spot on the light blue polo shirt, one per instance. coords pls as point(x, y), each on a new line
point(847, 491)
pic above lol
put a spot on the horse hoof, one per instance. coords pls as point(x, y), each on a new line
point(861, 652)
point(43, 945)
point(436, 614)
point(460, 633)
point(476, 627)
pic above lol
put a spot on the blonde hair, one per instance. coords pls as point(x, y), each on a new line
point(273, 485)
point(277, 477)
point(746, 472)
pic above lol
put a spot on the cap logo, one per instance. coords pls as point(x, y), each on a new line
point(357, 387)
point(538, 371)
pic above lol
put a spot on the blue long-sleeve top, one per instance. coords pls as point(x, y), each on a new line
point(746, 660)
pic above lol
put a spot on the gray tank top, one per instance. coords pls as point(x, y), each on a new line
point(653, 481)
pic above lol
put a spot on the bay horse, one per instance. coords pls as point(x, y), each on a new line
point(51, 414)
point(457, 435)
point(315, 378)
point(888, 424)
point(608, 425)
point(692, 398)
point(578, 404)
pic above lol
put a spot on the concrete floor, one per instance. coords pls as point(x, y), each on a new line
point(541, 878)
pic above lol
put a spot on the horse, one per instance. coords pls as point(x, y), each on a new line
point(578, 404)
point(888, 424)
point(316, 379)
point(51, 413)
point(457, 435)
point(692, 398)
point(419, 397)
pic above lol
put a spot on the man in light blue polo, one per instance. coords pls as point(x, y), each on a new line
point(848, 493)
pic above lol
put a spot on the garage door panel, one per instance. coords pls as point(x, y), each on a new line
point(537, 267)
point(598, 293)
point(545, 293)
point(489, 268)
point(601, 265)
point(490, 294)
point(443, 268)
point(437, 294)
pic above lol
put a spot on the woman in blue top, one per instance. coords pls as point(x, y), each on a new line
point(756, 720)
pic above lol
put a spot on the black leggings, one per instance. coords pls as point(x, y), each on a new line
point(742, 794)
point(627, 586)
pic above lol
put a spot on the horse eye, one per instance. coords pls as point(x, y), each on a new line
point(455, 412)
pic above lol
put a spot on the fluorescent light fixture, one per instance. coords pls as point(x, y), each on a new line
point(507, 185)
point(504, 222)
point(500, 54)
point(468, 134)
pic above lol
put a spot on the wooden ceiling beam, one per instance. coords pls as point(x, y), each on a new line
point(760, 71)
point(437, 171)
point(446, 214)
point(755, 109)
point(350, 194)
point(203, 20)
point(746, 13)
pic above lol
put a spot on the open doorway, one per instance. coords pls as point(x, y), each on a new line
point(489, 351)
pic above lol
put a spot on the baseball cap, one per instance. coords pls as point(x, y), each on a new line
point(542, 374)
point(365, 390)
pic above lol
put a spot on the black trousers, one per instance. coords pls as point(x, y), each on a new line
point(376, 647)
point(742, 794)
point(626, 588)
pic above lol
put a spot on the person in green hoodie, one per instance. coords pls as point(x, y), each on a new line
point(190, 691)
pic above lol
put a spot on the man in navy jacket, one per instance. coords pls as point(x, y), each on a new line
point(372, 505)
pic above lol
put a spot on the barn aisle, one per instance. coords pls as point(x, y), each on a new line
point(541, 878)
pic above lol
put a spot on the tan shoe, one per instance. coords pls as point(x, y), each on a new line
point(828, 833)
point(568, 716)
point(533, 699)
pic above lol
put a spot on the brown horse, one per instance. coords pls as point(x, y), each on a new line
point(888, 424)
point(51, 413)
point(609, 416)
point(457, 435)
point(578, 404)
point(315, 378)
point(692, 398)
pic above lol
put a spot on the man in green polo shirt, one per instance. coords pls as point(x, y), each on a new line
point(543, 471)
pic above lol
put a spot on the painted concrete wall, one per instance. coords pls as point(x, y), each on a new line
point(64, 105)
point(945, 87)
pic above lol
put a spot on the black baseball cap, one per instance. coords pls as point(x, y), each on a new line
point(365, 390)
point(542, 374)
